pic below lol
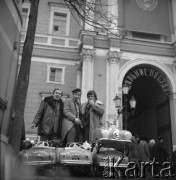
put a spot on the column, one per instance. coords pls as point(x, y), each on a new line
point(87, 56)
point(78, 74)
point(172, 99)
point(174, 17)
point(113, 58)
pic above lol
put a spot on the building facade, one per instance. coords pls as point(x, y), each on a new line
point(140, 53)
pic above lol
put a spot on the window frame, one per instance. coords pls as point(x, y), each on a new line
point(27, 6)
point(59, 10)
point(62, 75)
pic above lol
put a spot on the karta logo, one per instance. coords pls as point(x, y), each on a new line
point(117, 168)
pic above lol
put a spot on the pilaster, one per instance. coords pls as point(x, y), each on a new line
point(87, 57)
point(113, 63)
point(78, 74)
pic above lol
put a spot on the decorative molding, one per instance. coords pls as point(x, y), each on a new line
point(133, 56)
point(52, 61)
point(87, 33)
point(148, 5)
point(114, 56)
point(87, 54)
point(134, 62)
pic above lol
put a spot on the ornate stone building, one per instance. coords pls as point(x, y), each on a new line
point(141, 55)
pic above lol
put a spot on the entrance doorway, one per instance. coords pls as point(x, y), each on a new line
point(151, 117)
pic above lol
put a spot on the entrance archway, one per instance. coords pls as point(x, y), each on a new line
point(152, 114)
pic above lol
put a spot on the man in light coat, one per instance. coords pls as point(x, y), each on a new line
point(92, 118)
point(71, 127)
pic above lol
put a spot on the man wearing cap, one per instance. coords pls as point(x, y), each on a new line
point(71, 127)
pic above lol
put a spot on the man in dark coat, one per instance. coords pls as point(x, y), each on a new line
point(134, 152)
point(144, 155)
point(72, 124)
point(160, 153)
point(49, 117)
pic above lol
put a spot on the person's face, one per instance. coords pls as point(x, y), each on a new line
point(91, 97)
point(77, 95)
point(57, 94)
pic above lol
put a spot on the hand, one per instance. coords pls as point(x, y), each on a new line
point(91, 102)
point(32, 126)
point(77, 121)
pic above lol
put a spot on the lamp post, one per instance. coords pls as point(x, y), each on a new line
point(124, 109)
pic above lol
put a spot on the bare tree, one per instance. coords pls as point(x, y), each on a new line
point(16, 124)
point(96, 14)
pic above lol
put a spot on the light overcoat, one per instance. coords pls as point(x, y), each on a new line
point(96, 116)
point(70, 113)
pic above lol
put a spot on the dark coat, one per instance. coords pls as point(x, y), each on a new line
point(69, 115)
point(174, 160)
point(45, 114)
point(133, 150)
point(160, 153)
point(151, 150)
point(144, 155)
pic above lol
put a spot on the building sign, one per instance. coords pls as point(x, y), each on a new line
point(147, 5)
point(147, 72)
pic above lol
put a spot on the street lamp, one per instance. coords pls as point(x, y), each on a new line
point(123, 110)
point(133, 103)
point(117, 101)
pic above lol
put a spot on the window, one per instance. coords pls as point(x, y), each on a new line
point(25, 14)
point(59, 21)
point(56, 74)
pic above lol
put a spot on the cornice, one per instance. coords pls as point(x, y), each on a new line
point(161, 59)
point(87, 33)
